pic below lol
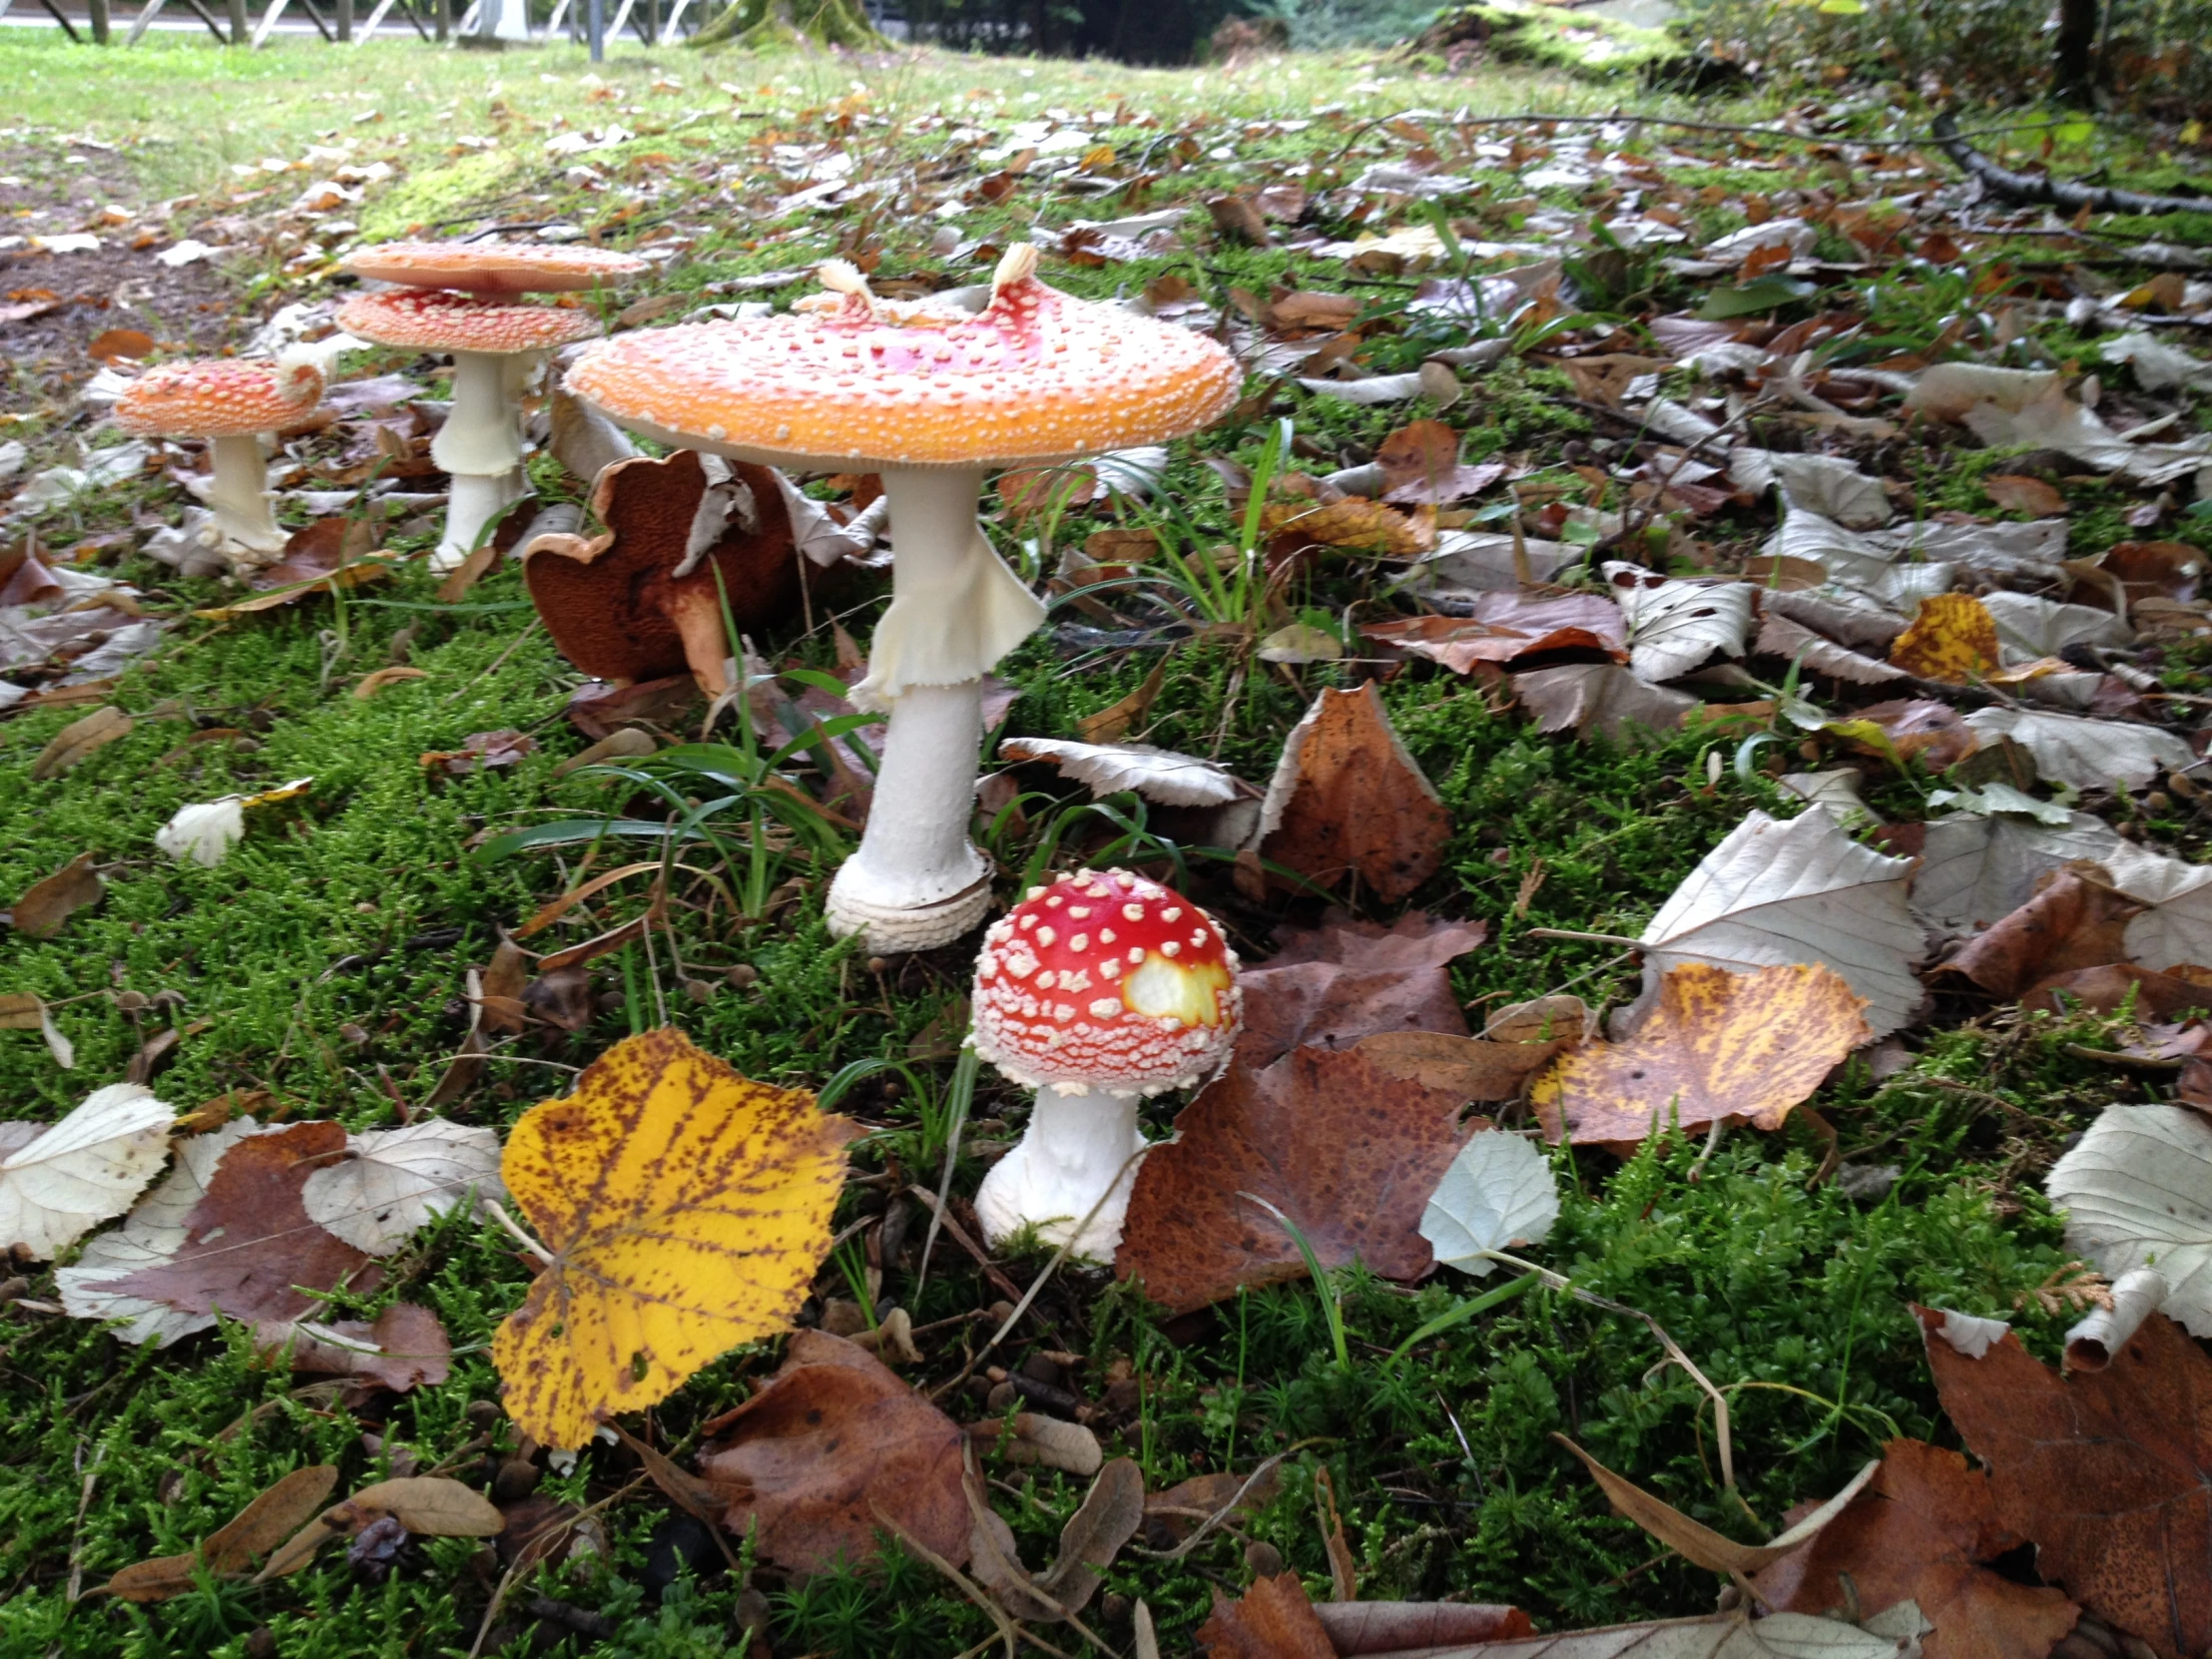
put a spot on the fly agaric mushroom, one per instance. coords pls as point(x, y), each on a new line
point(1096, 991)
point(230, 405)
point(487, 268)
point(932, 397)
point(494, 346)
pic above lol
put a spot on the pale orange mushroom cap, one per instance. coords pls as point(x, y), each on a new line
point(493, 268)
point(218, 398)
point(1036, 375)
point(429, 319)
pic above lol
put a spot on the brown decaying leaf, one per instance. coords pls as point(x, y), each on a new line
point(1923, 1533)
point(1343, 1147)
point(1172, 1515)
point(330, 554)
point(1118, 719)
point(49, 902)
point(1420, 463)
point(1745, 1047)
point(2075, 921)
point(2018, 493)
point(78, 739)
point(1345, 980)
point(2105, 988)
point(482, 751)
point(1781, 637)
point(2108, 1472)
point(1275, 1619)
point(1478, 1069)
point(248, 1245)
point(1348, 799)
point(1952, 639)
point(832, 1436)
point(1110, 1514)
point(1935, 731)
point(254, 1530)
point(403, 1348)
point(1386, 1627)
point(1507, 626)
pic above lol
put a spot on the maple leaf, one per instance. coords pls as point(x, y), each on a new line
point(1738, 1048)
point(1347, 1148)
point(687, 1209)
point(832, 1446)
point(2107, 1472)
point(1952, 639)
point(1923, 1531)
point(1346, 799)
point(58, 1183)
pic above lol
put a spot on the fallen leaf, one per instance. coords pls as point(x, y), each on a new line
point(428, 1505)
point(1602, 700)
point(1781, 637)
point(1348, 799)
point(1733, 1048)
point(58, 1183)
point(2176, 924)
point(245, 1248)
point(1382, 1628)
point(2107, 1472)
point(1676, 625)
point(1952, 639)
point(1421, 462)
point(1496, 1193)
point(74, 742)
point(2108, 988)
point(1109, 1516)
point(403, 1348)
point(1935, 731)
point(1480, 1069)
point(1274, 1619)
point(2136, 1191)
point(1506, 626)
point(1354, 524)
point(395, 1181)
point(482, 751)
point(1159, 775)
point(1335, 984)
point(1698, 1543)
point(256, 1529)
point(1924, 1532)
point(687, 1209)
point(371, 683)
point(2074, 921)
point(27, 1011)
point(1975, 867)
point(1336, 1143)
point(831, 1441)
point(2019, 494)
point(50, 901)
point(1796, 891)
point(1119, 718)
point(1172, 1515)
point(1033, 1437)
point(111, 343)
point(2085, 754)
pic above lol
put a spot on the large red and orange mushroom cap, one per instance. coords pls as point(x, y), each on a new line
point(1037, 375)
point(428, 320)
point(218, 397)
point(491, 267)
point(1105, 981)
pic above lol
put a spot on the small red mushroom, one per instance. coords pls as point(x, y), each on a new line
point(1096, 991)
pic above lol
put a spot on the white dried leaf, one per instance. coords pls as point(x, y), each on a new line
point(1600, 698)
point(1721, 1636)
point(1793, 235)
point(1375, 389)
point(395, 1181)
point(2085, 754)
point(1675, 626)
point(1976, 866)
point(150, 1237)
point(57, 1184)
point(1948, 390)
point(1778, 636)
point(2032, 627)
point(2157, 364)
point(1496, 1193)
point(1970, 1334)
point(1799, 891)
point(2054, 423)
point(1837, 790)
point(1160, 774)
point(2177, 926)
point(1829, 486)
point(2137, 1192)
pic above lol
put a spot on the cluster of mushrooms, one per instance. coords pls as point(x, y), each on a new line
point(1098, 990)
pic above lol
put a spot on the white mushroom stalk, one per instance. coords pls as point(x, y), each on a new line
point(238, 493)
point(481, 448)
point(1070, 1175)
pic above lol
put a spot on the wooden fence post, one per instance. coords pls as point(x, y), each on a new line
point(344, 21)
point(99, 10)
point(238, 22)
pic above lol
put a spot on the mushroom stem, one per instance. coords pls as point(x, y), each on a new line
point(481, 448)
point(696, 610)
point(916, 882)
point(1077, 1150)
point(238, 493)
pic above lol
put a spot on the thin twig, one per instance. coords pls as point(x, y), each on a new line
point(498, 1213)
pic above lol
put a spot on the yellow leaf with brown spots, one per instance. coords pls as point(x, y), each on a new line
point(687, 1209)
point(1952, 639)
point(1745, 1047)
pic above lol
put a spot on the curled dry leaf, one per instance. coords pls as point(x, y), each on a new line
point(1159, 775)
point(2137, 1190)
point(1952, 639)
point(27, 1011)
point(1336, 1142)
point(49, 902)
point(1386, 1627)
point(2106, 1473)
point(1275, 1619)
point(58, 1183)
point(1935, 731)
point(256, 1529)
point(832, 1441)
point(1507, 626)
point(2019, 494)
point(1734, 1047)
point(1421, 462)
point(1800, 890)
point(74, 742)
point(1109, 1516)
point(1033, 1437)
point(394, 1180)
point(2075, 920)
point(687, 1209)
point(1924, 1532)
point(1677, 625)
point(1348, 799)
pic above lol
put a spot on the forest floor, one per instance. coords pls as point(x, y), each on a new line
point(1613, 378)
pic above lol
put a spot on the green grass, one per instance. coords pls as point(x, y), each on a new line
point(324, 963)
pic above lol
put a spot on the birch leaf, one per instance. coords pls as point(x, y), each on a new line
point(57, 1184)
point(1975, 867)
point(1675, 626)
point(1161, 774)
point(395, 1181)
point(2085, 754)
point(2137, 1192)
point(1799, 891)
point(1497, 1193)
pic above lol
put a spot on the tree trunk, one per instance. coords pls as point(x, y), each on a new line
point(2073, 53)
point(753, 23)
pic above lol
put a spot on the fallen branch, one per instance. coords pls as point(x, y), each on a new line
point(2060, 193)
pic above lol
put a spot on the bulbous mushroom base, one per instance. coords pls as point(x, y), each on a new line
point(860, 905)
point(477, 501)
point(1079, 1150)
